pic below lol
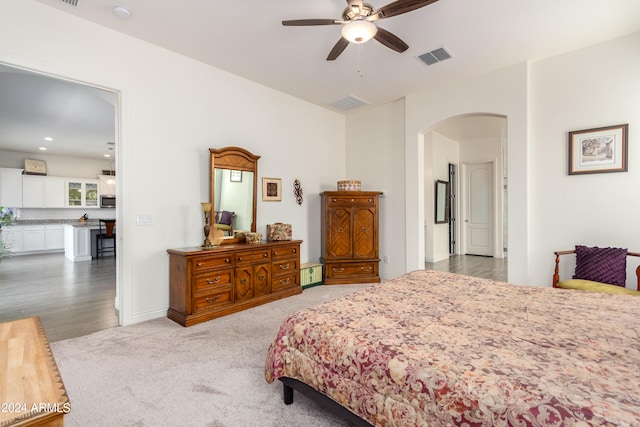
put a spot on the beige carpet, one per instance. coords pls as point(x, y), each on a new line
point(158, 373)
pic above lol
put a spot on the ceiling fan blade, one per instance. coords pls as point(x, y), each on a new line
point(338, 49)
point(399, 7)
point(390, 40)
point(308, 22)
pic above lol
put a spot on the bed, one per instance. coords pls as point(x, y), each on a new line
point(440, 349)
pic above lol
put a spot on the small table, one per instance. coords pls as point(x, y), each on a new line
point(31, 389)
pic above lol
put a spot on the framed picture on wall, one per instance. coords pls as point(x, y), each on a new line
point(598, 150)
point(271, 189)
point(235, 176)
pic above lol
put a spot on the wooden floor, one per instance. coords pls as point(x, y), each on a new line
point(71, 298)
point(77, 298)
point(471, 265)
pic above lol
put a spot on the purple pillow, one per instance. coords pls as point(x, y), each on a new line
point(226, 217)
point(604, 265)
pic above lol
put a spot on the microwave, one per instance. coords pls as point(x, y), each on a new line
point(107, 201)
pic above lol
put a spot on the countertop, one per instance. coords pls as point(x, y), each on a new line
point(74, 222)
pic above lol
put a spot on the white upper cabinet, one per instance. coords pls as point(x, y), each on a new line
point(82, 193)
point(43, 192)
point(11, 187)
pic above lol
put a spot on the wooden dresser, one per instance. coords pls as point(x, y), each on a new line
point(350, 237)
point(205, 284)
point(31, 389)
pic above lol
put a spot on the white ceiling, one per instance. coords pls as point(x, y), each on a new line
point(246, 38)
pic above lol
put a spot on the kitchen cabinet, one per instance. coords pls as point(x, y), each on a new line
point(33, 238)
point(43, 192)
point(11, 187)
point(33, 191)
point(54, 237)
point(12, 238)
point(54, 192)
point(82, 193)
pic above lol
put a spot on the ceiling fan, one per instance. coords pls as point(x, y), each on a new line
point(358, 24)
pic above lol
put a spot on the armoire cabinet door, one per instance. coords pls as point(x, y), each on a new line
point(339, 238)
point(364, 234)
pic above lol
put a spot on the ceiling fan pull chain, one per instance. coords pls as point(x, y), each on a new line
point(360, 48)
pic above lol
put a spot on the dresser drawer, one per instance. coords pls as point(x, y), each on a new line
point(281, 282)
point(212, 279)
point(351, 201)
point(353, 269)
point(286, 266)
point(206, 263)
point(252, 257)
point(218, 297)
point(283, 252)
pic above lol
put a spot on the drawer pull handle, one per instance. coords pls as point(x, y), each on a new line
point(334, 200)
point(276, 253)
point(369, 268)
point(340, 230)
point(364, 230)
point(338, 270)
point(284, 267)
point(265, 254)
point(239, 258)
point(198, 264)
point(261, 277)
point(228, 260)
point(210, 300)
point(243, 281)
point(211, 282)
point(293, 251)
point(285, 281)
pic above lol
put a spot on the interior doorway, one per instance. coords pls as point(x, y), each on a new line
point(83, 121)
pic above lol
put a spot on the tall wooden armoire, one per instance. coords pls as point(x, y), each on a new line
point(350, 237)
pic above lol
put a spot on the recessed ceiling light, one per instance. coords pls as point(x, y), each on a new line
point(107, 155)
point(48, 138)
point(42, 148)
point(121, 11)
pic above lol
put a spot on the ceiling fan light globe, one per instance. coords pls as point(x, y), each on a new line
point(359, 31)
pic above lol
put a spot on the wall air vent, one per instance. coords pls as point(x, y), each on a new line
point(349, 103)
point(435, 56)
point(73, 3)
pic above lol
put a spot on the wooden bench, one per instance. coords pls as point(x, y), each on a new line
point(31, 389)
point(593, 286)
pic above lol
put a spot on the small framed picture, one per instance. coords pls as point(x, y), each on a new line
point(236, 176)
point(598, 150)
point(271, 189)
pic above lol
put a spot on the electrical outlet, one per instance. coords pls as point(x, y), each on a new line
point(385, 259)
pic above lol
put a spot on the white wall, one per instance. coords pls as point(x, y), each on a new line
point(439, 152)
point(590, 88)
point(503, 92)
point(375, 155)
point(172, 110)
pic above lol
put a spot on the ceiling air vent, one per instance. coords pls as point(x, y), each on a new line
point(73, 3)
point(435, 56)
point(349, 103)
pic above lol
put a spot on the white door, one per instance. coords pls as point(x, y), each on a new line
point(478, 219)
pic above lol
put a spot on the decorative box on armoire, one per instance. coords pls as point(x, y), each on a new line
point(350, 237)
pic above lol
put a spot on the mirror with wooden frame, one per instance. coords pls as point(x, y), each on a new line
point(233, 186)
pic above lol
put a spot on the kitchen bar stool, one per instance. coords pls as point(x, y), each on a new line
point(106, 234)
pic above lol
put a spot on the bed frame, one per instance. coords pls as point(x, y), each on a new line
point(291, 384)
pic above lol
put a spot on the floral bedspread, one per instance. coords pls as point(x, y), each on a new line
point(439, 349)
